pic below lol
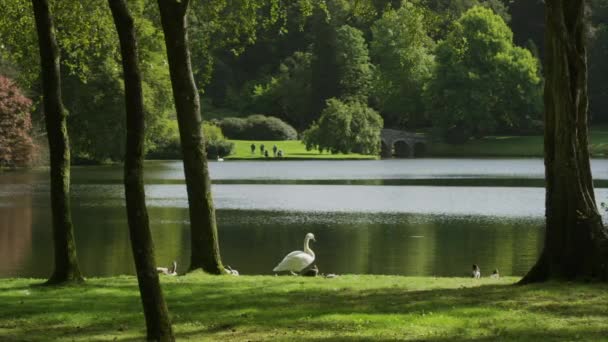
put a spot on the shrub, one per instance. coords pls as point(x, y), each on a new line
point(215, 144)
point(257, 127)
point(16, 144)
point(344, 128)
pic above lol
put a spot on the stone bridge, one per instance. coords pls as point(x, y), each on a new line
point(402, 144)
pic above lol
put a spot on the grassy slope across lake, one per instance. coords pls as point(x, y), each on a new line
point(493, 146)
point(292, 149)
point(515, 146)
point(266, 308)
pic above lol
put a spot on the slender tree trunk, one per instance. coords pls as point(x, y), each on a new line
point(576, 242)
point(158, 323)
point(205, 247)
point(66, 261)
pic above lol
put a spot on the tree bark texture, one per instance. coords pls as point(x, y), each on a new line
point(158, 323)
point(576, 242)
point(66, 267)
point(205, 251)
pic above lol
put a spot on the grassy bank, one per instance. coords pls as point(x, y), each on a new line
point(514, 146)
point(264, 308)
point(292, 149)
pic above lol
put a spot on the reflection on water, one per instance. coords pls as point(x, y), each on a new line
point(254, 241)
point(15, 234)
point(379, 229)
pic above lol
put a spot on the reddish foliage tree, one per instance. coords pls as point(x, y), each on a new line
point(16, 144)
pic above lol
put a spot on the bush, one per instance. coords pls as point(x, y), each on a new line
point(344, 128)
point(257, 127)
point(16, 144)
point(215, 143)
point(219, 149)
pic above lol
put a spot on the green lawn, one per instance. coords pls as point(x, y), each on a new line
point(292, 149)
point(493, 146)
point(267, 308)
point(514, 146)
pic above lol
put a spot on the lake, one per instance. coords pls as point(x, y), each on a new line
point(366, 216)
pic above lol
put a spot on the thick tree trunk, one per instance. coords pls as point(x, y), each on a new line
point(205, 252)
point(576, 242)
point(66, 261)
point(158, 323)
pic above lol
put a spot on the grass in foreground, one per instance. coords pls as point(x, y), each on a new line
point(265, 308)
point(292, 149)
point(514, 146)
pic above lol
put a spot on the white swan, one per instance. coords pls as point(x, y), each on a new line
point(296, 261)
point(172, 271)
point(220, 159)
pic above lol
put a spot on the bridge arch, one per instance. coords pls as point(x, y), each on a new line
point(401, 144)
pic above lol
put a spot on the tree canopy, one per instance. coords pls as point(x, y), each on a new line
point(483, 83)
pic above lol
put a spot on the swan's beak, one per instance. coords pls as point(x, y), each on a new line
point(313, 239)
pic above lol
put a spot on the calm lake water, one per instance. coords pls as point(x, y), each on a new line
point(266, 208)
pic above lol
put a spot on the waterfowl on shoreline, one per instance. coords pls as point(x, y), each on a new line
point(171, 271)
point(297, 261)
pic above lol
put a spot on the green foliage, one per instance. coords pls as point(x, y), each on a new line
point(257, 127)
point(483, 83)
point(598, 73)
point(216, 144)
point(16, 145)
point(287, 94)
point(402, 52)
point(354, 67)
point(344, 128)
point(170, 148)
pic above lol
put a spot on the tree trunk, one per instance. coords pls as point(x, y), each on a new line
point(205, 252)
point(66, 261)
point(158, 323)
point(576, 242)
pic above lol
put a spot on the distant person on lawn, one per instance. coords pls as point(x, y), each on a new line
point(262, 148)
point(252, 148)
point(274, 150)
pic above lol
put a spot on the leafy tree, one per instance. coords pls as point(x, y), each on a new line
point(205, 252)
point(482, 82)
point(576, 242)
point(354, 67)
point(598, 68)
point(158, 323)
point(345, 127)
point(66, 268)
point(288, 93)
point(402, 52)
point(16, 145)
point(92, 80)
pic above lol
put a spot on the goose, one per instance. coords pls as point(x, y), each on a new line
point(297, 261)
point(172, 271)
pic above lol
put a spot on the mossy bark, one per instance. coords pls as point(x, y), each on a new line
point(576, 242)
point(158, 323)
point(205, 252)
point(66, 267)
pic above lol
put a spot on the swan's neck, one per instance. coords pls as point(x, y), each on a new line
point(307, 249)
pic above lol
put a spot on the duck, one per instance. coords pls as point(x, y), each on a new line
point(296, 261)
point(476, 273)
point(231, 271)
point(171, 271)
point(311, 271)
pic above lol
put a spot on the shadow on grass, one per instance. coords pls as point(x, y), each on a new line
point(310, 310)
